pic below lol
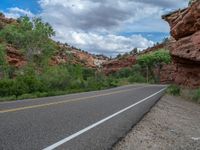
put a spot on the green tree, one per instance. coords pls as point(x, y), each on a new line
point(154, 60)
point(3, 62)
point(134, 51)
point(32, 36)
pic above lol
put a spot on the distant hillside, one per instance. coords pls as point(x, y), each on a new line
point(64, 53)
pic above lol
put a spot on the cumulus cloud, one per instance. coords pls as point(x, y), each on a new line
point(16, 12)
point(96, 25)
point(107, 44)
point(90, 15)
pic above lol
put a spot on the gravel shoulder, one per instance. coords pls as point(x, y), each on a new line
point(172, 123)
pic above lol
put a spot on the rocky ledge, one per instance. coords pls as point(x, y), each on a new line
point(185, 49)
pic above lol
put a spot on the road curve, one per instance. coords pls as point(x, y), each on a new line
point(91, 120)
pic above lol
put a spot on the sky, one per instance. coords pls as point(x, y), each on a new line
point(106, 27)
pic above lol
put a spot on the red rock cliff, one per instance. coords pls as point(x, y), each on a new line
point(185, 50)
point(115, 65)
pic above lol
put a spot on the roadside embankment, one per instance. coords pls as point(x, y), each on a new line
point(172, 124)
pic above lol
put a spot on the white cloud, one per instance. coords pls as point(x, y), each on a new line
point(108, 44)
point(16, 12)
point(95, 25)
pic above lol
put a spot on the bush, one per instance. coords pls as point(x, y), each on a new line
point(7, 87)
point(56, 78)
point(111, 82)
point(3, 62)
point(77, 84)
point(174, 90)
point(27, 84)
point(124, 73)
point(88, 73)
point(136, 78)
point(196, 95)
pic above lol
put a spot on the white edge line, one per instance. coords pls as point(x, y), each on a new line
point(53, 146)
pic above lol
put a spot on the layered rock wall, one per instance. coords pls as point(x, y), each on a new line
point(116, 65)
point(185, 50)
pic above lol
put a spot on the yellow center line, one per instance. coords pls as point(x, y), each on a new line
point(61, 102)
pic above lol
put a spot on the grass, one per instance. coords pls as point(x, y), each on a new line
point(46, 94)
point(188, 94)
point(174, 90)
point(196, 95)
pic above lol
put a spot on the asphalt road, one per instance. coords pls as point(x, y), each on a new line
point(84, 121)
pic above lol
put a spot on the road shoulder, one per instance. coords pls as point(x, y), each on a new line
point(173, 123)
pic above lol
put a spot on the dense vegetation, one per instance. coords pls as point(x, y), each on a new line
point(152, 61)
point(37, 78)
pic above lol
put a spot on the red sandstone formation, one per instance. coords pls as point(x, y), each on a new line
point(74, 56)
point(185, 51)
point(14, 57)
point(184, 22)
point(65, 54)
point(4, 21)
point(117, 64)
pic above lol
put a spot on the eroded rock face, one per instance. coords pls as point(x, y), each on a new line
point(4, 21)
point(74, 56)
point(185, 50)
point(14, 57)
point(187, 47)
point(116, 65)
point(168, 73)
point(184, 22)
point(188, 75)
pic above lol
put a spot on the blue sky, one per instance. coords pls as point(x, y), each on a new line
point(31, 5)
point(107, 26)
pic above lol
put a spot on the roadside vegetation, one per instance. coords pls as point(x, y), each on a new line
point(40, 79)
point(174, 90)
point(188, 94)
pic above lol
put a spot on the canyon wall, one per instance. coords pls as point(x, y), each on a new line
point(185, 48)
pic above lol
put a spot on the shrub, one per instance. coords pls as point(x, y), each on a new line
point(6, 87)
point(88, 73)
point(77, 84)
point(3, 62)
point(56, 78)
point(136, 78)
point(196, 95)
point(33, 36)
point(111, 82)
point(123, 73)
point(30, 83)
point(174, 90)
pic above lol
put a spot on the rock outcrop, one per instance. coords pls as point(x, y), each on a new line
point(184, 22)
point(4, 21)
point(185, 50)
point(67, 54)
point(14, 57)
point(117, 64)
